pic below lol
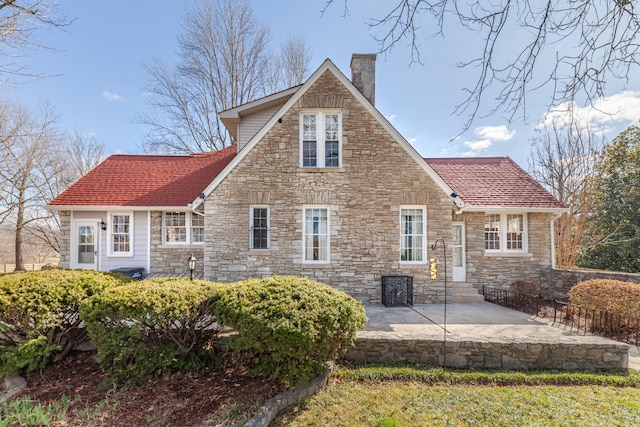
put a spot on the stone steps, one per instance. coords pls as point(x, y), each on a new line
point(461, 292)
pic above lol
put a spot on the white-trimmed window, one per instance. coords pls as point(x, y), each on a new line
point(412, 233)
point(321, 139)
point(121, 234)
point(505, 232)
point(259, 227)
point(182, 228)
point(315, 238)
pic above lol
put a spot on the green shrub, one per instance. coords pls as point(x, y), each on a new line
point(616, 297)
point(151, 327)
point(39, 314)
point(611, 295)
point(288, 326)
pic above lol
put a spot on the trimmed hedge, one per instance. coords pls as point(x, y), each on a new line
point(604, 294)
point(39, 318)
point(288, 327)
point(151, 327)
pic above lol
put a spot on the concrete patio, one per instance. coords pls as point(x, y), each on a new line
point(482, 335)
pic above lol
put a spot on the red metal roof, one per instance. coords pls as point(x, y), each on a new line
point(146, 180)
point(496, 182)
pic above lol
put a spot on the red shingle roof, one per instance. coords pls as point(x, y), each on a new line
point(496, 182)
point(146, 180)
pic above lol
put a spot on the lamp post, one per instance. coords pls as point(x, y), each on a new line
point(192, 266)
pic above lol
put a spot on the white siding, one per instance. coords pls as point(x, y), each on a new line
point(250, 125)
point(140, 242)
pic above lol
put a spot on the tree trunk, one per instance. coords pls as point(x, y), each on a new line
point(19, 230)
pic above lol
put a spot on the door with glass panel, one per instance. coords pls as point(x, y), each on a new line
point(86, 246)
point(458, 250)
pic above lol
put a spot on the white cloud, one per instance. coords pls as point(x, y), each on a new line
point(487, 136)
point(497, 133)
point(412, 140)
point(611, 112)
point(111, 96)
point(391, 118)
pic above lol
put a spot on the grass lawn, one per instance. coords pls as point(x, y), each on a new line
point(473, 399)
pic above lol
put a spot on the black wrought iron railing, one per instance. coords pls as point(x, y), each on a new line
point(580, 320)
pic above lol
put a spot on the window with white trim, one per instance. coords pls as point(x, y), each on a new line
point(321, 140)
point(412, 233)
point(121, 234)
point(182, 228)
point(505, 232)
point(259, 227)
point(315, 238)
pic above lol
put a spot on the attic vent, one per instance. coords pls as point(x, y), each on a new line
point(397, 291)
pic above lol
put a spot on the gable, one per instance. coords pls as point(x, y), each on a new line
point(311, 102)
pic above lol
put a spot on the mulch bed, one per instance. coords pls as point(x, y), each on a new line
point(180, 399)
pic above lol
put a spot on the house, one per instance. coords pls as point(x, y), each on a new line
point(319, 184)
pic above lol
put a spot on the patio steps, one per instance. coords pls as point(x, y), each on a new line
point(461, 292)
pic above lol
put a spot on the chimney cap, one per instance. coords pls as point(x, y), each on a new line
point(365, 56)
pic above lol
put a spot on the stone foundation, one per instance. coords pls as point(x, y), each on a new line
point(570, 353)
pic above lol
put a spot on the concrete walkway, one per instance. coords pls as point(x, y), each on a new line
point(473, 321)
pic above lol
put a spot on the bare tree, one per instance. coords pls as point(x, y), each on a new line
point(19, 22)
point(31, 166)
point(583, 45)
point(83, 152)
point(224, 62)
point(563, 158)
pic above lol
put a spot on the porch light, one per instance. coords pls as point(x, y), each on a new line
point(103, 226)
point(192, 265)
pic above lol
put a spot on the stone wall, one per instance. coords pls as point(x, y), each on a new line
point(590, 353)
point(363, 197)
point(65, 239)
point(555, 283)
point(172, 259)
point(500, 270)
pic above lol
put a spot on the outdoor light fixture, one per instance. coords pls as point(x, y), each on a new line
point(192, 265)
point(103, 226)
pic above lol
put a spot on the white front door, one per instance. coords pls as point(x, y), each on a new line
point(458, 247)
point(84, 251)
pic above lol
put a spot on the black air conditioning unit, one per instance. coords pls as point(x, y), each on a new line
point(397, 291)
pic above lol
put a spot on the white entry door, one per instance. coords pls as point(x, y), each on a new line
point(84, 254)
point(458, 247)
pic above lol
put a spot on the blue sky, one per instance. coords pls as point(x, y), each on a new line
point(97, 75)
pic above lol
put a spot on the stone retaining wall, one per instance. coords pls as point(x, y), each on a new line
point(555, 283)
point(568, 353)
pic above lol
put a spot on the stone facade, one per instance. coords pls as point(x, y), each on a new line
point(555, 283)
point(567, 353)
point(500, 270)
point(363, 198)
point(65, 238)
point(171, 260)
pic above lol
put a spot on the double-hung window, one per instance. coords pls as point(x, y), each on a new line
point(315, 239)
point(505, 232)
point(320, 137)
point(412, 233)
point(183, 228)
point(259, 227)
point(121, 234)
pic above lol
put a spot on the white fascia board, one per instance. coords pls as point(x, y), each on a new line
point(85, 208)
point(328, 65)
point(499, 209)
point(235, 112)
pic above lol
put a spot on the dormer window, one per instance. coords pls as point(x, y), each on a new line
point(321, 139)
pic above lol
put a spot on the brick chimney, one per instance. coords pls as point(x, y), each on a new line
point(363, 74)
